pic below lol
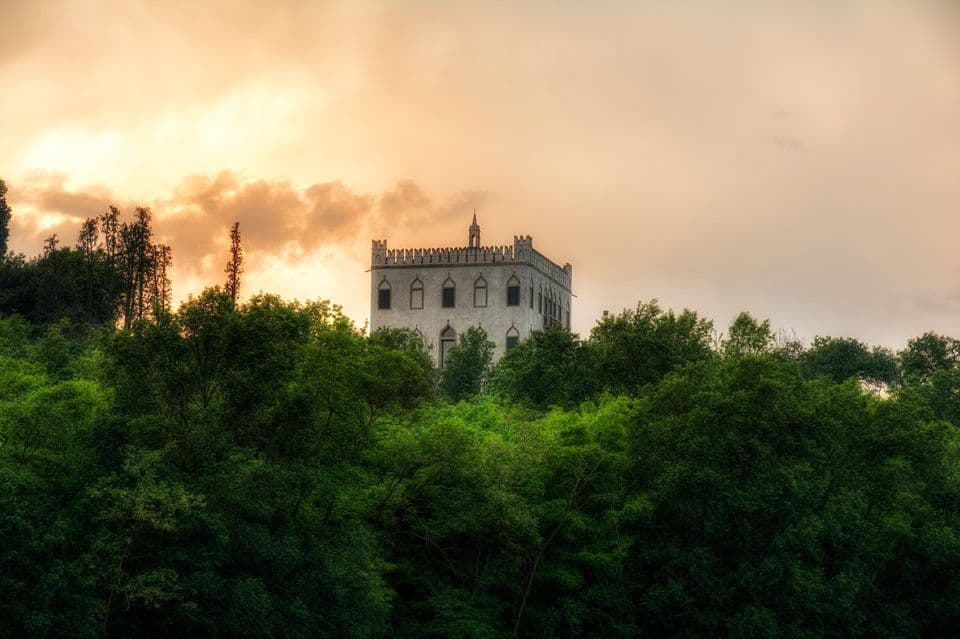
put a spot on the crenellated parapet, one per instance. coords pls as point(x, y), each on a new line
point(522, 252)
point(447, 255)
point(562, 274)
point(523, 248)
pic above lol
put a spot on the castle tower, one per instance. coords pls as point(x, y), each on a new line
point(379, 252)
point(439, 293)
point(473, 241)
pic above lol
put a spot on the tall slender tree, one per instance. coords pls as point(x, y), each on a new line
point(50, 245)
point(87, 241)
point(142, 251)
point(109, 228)
point(137, 266)
point(5, 212)
point(162, 259)
point(235, 265)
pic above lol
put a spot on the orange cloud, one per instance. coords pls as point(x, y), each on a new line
point(276, 218)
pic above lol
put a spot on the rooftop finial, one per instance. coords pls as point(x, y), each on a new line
point(473, 239)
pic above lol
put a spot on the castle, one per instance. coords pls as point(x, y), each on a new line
point(509, 291)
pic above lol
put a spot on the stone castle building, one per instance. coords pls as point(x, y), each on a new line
point(509, 291)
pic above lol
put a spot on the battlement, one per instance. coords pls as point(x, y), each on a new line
point(562, 274)
point(522, 252)
point(449, 255)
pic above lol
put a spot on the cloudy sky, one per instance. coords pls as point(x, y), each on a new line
point(797, 159)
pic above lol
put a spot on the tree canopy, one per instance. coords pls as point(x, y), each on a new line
point(265, 468)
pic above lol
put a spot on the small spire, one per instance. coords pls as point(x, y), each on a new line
point(473, 236)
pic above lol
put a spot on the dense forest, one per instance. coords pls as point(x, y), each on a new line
point(265, 468)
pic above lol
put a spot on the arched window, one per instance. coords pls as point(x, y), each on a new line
point(513, 337)
point(513, 291)
point(531, 296)
point(416, 294)
point(551, 312)
point(480, 292)
point(383, 295)
point(418, 335)
point(568, 316)
point(448, 339)
point(449, 294)
point(540, 302)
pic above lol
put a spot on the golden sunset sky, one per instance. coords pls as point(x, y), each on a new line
point(797, 159)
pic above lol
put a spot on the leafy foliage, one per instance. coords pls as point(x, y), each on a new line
point(265, 469)
point(467, 365)
point(747, 336)
point(550, 368)
point(840, 358)
point(789, 508)
point(929, 353)
point(638, 347)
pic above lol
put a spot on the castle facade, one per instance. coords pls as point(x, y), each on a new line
point(509, 291)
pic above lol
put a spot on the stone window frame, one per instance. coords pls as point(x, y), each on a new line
point(513, 337)
point(480, 284)
point(384, 303)
point(443, 293)
point(513, 284)
point(416, 286)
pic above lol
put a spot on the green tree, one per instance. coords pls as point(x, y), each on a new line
point(267, 469)
point(504, 526)
point(49, 457)
point(234, 268)
point(5, 213)
point(250, 423)
point(550, 368)
point(15, 337)
point(938, 397)
point(115, 270)
point(87, 247)
point(410, 343)
point(638, 347)
point(929, 353)
point(747, 336)
point(787, 508)
point(54, 348)
point(467, 365)
point(840, 358)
